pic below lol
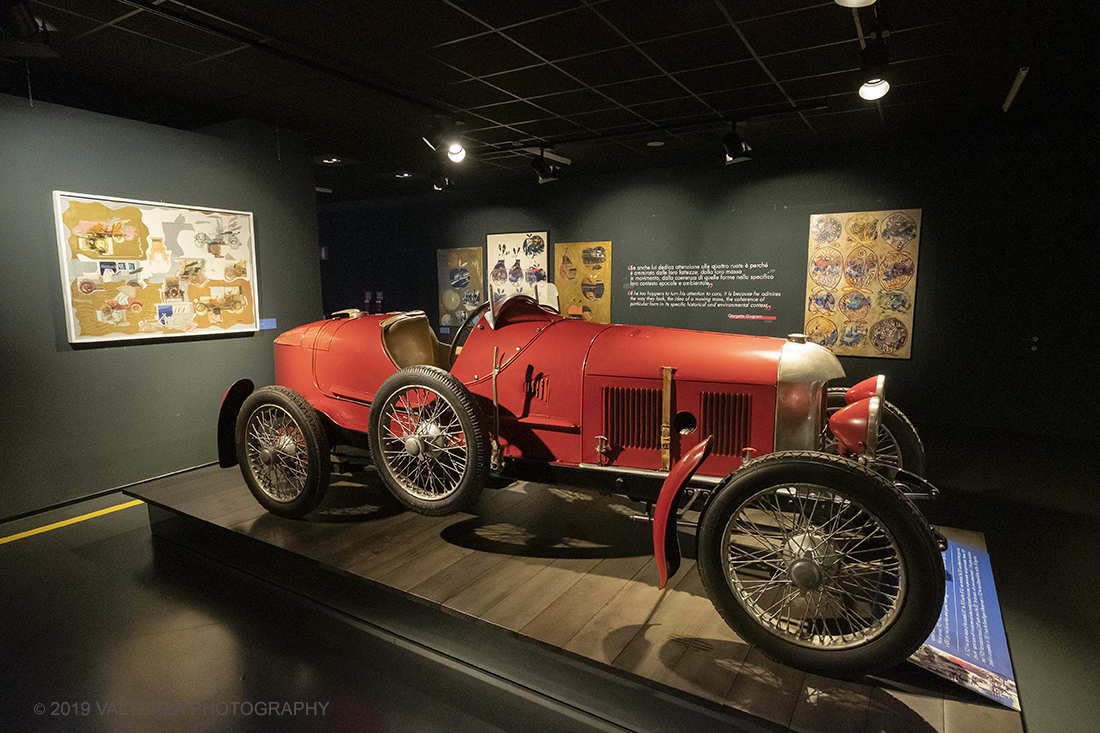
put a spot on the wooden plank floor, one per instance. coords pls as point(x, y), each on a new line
point(572, 569)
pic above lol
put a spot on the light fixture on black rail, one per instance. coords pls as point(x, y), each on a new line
point(547, 165)
point(737, 150)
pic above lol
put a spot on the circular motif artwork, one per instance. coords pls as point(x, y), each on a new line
point(592, 288)
point(896, 271)
point(853, 335)
point(822, 301)
point(861, 267)
point(899, 229)
point(533, 245)
point(889, 335)
point(855, 305)
point(821, 331)
point(825, 267)
point(594, 257)
point(894, 301)
point(460, 277)
point(499, 272)
point(451, 300)
point(825, 229)
point(863, 227)
point(535, 275)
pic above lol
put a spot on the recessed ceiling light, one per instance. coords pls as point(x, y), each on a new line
point(331, 161)
point(404, 175)
point(655, 143)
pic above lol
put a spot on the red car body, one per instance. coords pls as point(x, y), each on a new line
point(562, 383)
point(796, 499)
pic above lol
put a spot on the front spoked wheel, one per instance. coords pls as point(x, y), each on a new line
point(821, 563)
point(428, 441)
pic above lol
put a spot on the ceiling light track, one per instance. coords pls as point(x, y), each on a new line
point(533, 145)
point(253, 42)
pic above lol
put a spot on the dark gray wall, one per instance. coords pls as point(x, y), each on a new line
point(1009, 257)
point(75, 421)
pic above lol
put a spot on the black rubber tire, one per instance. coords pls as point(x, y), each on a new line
point(283, 451)
point(871, 524)
point(899, 444)
point(435, 463)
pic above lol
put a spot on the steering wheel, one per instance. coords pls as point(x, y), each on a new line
point(463, 331)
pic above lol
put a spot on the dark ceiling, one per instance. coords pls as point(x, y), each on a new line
point(609, 84)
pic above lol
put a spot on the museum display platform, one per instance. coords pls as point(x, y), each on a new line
point(551, 590)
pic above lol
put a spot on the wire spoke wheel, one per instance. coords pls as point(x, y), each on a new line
point(821, 563)
point(814, 567)
point(427, 440)
point(283, 451)
point(276, 453)
point(424, 443)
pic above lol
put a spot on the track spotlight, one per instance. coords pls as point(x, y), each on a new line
point(737, 150)
point(875, 70)
point(441, 182)
point(449, 143)
point(546, 170)
point(547, 165)
point(22, 34)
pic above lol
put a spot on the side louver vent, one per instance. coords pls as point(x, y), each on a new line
point(727, 417)
point(632, 417)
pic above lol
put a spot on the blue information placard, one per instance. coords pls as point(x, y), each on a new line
point(968, 645)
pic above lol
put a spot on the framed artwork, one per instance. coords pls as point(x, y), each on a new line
point(460, 284)
point(582, 271)
point(861, 282)
point(516, 262)
point(143, 269)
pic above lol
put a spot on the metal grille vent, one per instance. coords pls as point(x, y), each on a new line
point(728, 418)
point(538, 387)
point(632, 417)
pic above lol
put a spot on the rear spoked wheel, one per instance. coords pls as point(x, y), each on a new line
point(283, 451)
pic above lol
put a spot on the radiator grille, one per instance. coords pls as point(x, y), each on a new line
point(632, 417)
point(728, 418)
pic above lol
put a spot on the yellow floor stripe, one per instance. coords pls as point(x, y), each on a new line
point(74, 520)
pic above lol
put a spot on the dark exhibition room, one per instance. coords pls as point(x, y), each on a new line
point(570, 365)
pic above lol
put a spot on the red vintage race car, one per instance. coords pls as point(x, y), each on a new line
point(808, 542)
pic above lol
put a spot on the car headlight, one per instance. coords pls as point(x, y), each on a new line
point(855, 427)
point(871, 387)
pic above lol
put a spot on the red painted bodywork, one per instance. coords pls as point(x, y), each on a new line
point(666, 547)
point(554, 376)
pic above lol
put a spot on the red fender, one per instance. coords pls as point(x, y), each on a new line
point(666, 549)
point(227, 421)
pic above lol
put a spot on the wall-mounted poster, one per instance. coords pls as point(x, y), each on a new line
point(142, 269)
point(516, 262)
point(460, 284)
point(861, 282)
point(582, 271)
